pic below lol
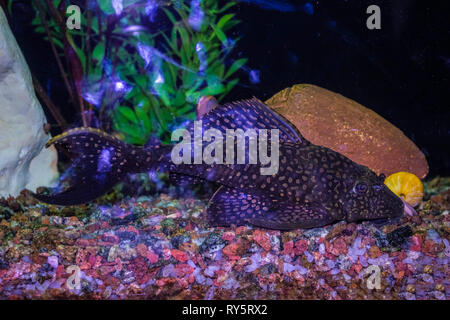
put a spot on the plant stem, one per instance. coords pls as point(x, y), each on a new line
point(83, 113)
point(55, 53)
point(88, 36)
point(100, 23)
point(88, 52)
point(49, 103)
point(149, 97)
point(60, 21)
point(56, 15)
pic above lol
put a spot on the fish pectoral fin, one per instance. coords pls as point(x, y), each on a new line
point(230, 206)
point(289, 216)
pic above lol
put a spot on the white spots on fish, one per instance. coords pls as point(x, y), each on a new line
point(104, 161)
point(210, 175)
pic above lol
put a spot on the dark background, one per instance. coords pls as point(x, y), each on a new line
point(401, 71)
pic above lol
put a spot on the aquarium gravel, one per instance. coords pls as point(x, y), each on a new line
point(160, 247)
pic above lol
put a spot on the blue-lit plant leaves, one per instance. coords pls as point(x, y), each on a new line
point(99, 52)
point(196, 15)
point(254, 76)
point(145, 52)
point(147, 79)
point(134, 124)
point(117, 5)
point(219, 34)
point(128, 113)
point(231, 84)
point(141, 80)
point(222, 22)
point(106, 6)
point(93, 88)
point(142, 110)
point(235, 67)
point(225, 7)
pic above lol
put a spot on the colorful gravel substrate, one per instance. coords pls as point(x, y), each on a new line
point(160, 247)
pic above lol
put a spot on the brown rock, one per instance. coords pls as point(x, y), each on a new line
point(343, 125)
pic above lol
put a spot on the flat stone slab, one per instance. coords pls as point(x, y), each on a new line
point(345, 126)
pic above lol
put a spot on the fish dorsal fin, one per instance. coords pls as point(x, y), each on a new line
point(251, 114)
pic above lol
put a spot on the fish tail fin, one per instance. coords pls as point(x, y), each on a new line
point(99, 162)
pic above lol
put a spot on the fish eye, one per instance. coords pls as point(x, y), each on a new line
point(361, 187)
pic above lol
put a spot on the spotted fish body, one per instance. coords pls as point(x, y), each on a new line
point(314, 185)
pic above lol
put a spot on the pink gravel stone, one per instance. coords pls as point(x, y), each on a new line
point(301, 246)
point(262, 239)
point(228, 236)
point(416, 243)
point(288, 248)
point(152, 257)
point(179, 255)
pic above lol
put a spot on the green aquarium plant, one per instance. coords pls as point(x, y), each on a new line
point(139, 67)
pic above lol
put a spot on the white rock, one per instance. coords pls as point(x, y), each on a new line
point(23, 161)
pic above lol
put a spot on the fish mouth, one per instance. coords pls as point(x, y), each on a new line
point(407, 209)
point(403, 208)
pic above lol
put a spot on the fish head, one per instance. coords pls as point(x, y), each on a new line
point(368, 198)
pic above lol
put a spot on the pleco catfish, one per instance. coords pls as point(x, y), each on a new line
point(313, 186)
